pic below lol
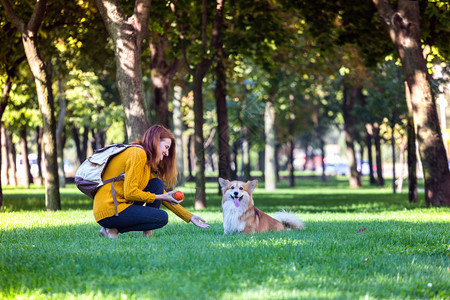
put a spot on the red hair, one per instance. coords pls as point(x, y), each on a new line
point(166, 169)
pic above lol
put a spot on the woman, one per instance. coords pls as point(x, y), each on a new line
point(148, 169)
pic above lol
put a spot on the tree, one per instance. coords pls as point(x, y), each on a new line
point(222, 118)
point(127, 34)
point(198, 70)
point(411, 146)
point(164, 59)
point(269, 130)
point(383, 102)
point(42, 77)
point(403, 27)
point(11, 58)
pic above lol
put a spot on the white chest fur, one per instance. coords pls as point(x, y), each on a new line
point(231, 214)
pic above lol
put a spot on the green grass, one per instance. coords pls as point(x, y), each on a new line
point(403, 253)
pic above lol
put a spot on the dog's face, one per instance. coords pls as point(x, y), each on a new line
point(237, 193)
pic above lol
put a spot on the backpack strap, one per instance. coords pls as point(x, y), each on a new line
point(117, 178)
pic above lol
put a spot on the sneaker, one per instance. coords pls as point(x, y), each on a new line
point(111, 233)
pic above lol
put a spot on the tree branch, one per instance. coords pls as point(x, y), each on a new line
point(217, 25)
point(13, 17)
point(141, 16)
point(5, 96)
point(37, 16)
point(112, 14)
point(173, 68)
point(182, 41)
point(204, 24)
point(386, 15)
point(11, 72)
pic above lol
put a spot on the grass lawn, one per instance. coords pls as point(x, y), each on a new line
point(358, 244)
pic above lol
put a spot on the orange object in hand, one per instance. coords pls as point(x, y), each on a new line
point(178, 195)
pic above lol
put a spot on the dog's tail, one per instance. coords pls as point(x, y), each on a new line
point(289, 220)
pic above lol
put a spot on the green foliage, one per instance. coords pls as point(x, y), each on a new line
point(9, 36)
point(22, 110)
point(87, 107)
point(257, 30)
point(434, 26)
point(358, 243)
point(246, 103)
point(385, 96)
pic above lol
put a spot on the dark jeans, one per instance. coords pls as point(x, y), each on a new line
point(138, 217)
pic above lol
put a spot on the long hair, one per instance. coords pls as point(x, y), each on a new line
point(166, 169)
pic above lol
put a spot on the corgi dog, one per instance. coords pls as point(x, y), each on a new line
point(240, 214)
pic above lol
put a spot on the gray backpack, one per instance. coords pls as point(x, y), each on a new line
point(88, 178)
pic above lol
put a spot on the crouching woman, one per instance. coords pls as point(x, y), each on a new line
point(149, 170)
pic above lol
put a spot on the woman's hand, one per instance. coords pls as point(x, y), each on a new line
point(168, 197)
point(197, 221)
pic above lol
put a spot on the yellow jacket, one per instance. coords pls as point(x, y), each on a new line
point(132, 161)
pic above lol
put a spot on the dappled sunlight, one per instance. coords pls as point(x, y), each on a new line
point(39, 220)
point(325, 260)
point(354, 245)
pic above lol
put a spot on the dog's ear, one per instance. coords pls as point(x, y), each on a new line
point(252, 184)
point(223, 183)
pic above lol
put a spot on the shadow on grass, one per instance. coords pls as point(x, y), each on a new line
point(327, 259)
point(311, 195)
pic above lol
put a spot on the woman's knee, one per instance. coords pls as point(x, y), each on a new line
point(155, 186)
point(163, 218)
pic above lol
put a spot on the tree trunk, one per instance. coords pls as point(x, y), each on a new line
point(127, 34)
point(11, 73)
point(411, 148)
point(60, 132)
point(178, 132)
point(81, 145)
point(350, 95)
point(95, 142)
point(393, 160)
point(277, 162)
point(200, 193)
point(46, 105)
point(322, 154)
point(210, 152)
point(291, 146)
point(209, 149)
point(361, 155)
point(4, 159)
point(377, 139)
point(162, 73)
point(28, 178)
point(3, 103)
point(198, 73)
point(369, 136)
point(269, 129)
point(404, 28)
point(401, 177)
point(42, 78)
point(306, 143)
point(291, 141)
point(40, 161)
point(161, 99)
point(245, 154)
point(234, 170)
point(261, 160)
point(189, 157)
point(12, 158)
point(222, 121)
point(76, 139)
